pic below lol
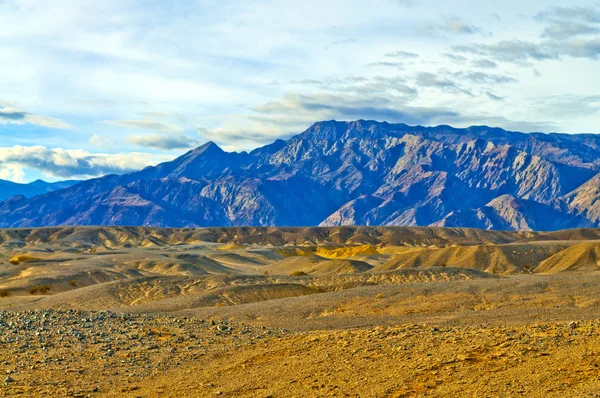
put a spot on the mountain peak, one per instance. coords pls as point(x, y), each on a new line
point(208, 147)
point(270, 148)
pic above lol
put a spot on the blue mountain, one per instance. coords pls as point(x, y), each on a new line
point(38, 187)
point(348, 173)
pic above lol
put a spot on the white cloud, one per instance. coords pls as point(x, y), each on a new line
point(76, 64)
point(12, 172)
point(402, 54)
point(449, 25)
point(60, 163)
point(165, 142)
point(100, 142)
point(295, 112)
point(17, 116)
point(147, 124)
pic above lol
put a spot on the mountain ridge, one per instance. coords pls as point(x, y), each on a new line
point(347, 173)
point(9, 188)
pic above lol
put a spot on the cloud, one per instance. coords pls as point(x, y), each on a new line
point(146, 124)
point(235, 138)
point(12, 172)
point(431, 80)
point(450, 25)
point(570, 32)
point(455, 57)
point(588, 14)
point(516, 51)
point(493, 96)
point(164, 115)
point(568, 22)
point(60, 50)
point(326, 106)
point(485, 78)
point(7, 104)
point(62, 163)
point(101, 142)
point(522, 52)
point(164, 142)
point(310, 108)
point(295, 112)
point(402, 54)
point(387, 64)
point(378, 85)
point(341, 42)
point(565, 30)
point(567, 105)
point(308, 82)
point(580, 48)
point(362, 85)
point(11, 115)
point(484, 63)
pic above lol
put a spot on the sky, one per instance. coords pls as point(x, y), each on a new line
point(91, 87)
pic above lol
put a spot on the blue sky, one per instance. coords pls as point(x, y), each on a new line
point(90, 87)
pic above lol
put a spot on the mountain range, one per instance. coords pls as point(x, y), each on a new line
point(38, 187)
point(347, 173)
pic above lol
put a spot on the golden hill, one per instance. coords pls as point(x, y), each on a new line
point(239, 237)
point(581, 257)
point(500, 259)
point(346, 252)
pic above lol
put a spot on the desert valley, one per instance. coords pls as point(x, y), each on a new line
point(267, 311)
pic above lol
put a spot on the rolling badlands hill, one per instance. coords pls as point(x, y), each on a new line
point(348, 173)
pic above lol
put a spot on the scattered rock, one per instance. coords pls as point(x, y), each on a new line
point(573, 325)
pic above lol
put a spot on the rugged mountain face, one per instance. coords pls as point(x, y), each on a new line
point(348, 173)
point(9, 188)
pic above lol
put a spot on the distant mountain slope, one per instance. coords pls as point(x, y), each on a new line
point(347, 173)
point(9, 189)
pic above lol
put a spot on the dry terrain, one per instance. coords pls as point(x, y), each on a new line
point(279, 312)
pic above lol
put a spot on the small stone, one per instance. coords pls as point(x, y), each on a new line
point(573, 325)
point(8, 380)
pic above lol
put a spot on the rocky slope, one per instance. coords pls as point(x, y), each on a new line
point(347, 173)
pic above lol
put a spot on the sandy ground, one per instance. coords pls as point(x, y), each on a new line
point(148, 356)
point(359, 312)
point(514, 336)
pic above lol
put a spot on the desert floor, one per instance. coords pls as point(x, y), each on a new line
point(303, 312)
